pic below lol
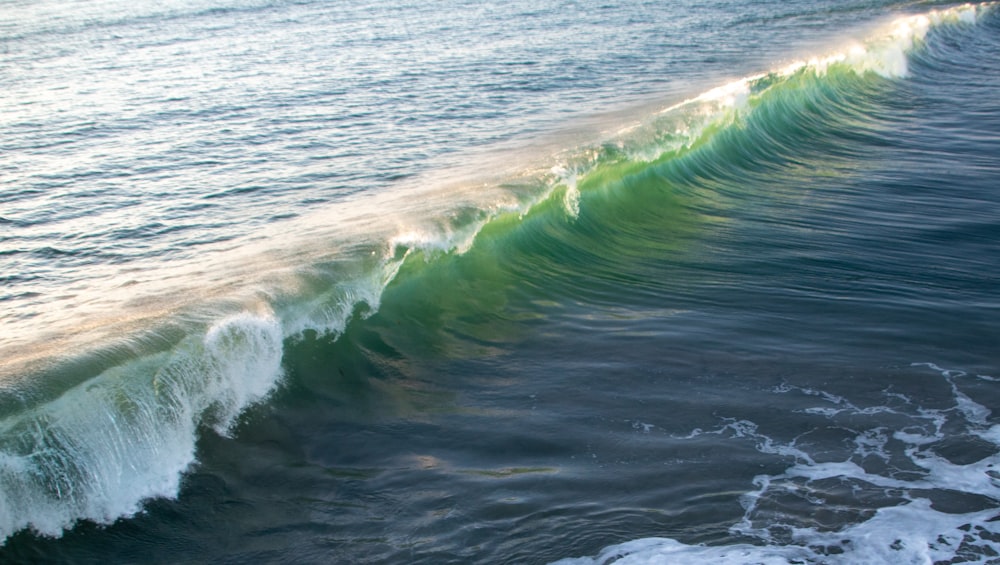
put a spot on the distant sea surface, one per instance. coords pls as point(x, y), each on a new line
point(522, 282)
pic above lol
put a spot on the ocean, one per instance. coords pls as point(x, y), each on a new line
point(546, 281)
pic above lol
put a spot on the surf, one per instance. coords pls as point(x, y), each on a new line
point(106, 412)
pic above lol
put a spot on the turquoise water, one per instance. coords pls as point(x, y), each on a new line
point(319, 282)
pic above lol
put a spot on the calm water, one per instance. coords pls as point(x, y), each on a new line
point(444, 282)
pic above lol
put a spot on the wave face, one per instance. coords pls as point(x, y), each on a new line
point(706, 228)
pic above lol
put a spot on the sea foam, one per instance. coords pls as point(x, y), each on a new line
point(909, 527)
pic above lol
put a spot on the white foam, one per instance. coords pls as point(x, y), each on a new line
point(886, 53)
point(660, 551)
point(102, 448)
point(571, 197)
point(328, 312)
point(243, 358)
point(909, 530)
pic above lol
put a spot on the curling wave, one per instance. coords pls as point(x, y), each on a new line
point(91, 437)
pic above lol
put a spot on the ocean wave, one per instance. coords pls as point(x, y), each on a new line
point(95, 445)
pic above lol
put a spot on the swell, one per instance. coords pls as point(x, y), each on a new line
point(92, 435)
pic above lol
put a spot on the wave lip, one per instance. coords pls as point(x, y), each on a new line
point(102, 448)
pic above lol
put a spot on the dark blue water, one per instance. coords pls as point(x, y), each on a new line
point(450, 283)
